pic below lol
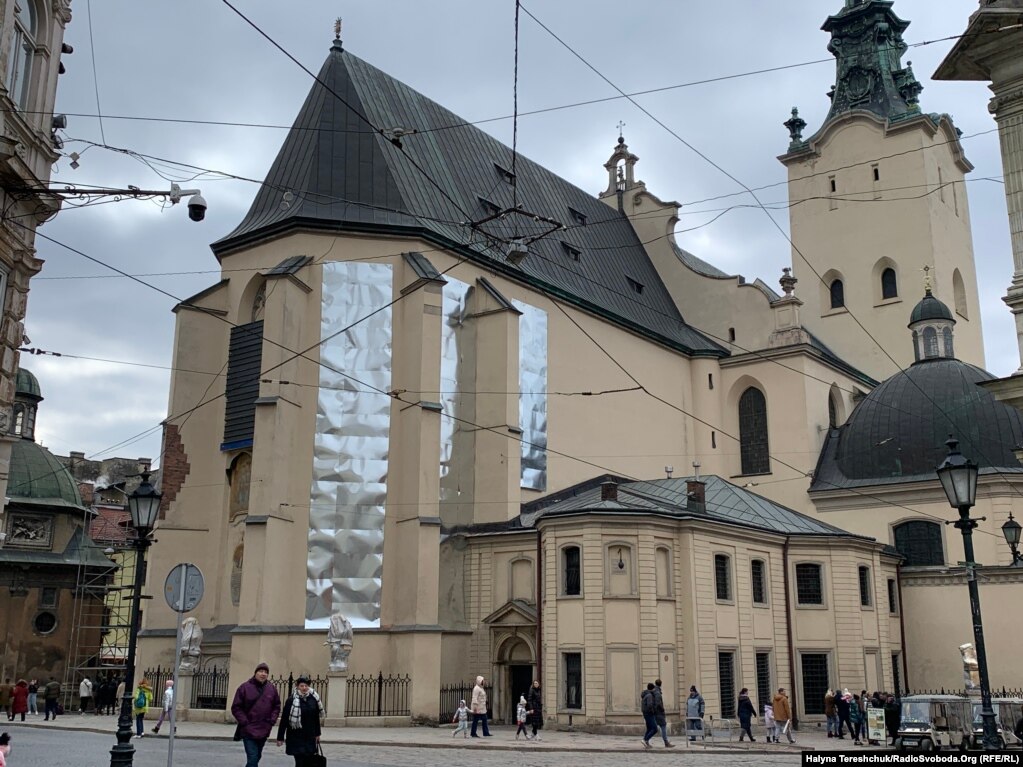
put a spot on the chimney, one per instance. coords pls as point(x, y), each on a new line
point(74, 455)
point(609, 491)
point(145, 464)
point(696, 495)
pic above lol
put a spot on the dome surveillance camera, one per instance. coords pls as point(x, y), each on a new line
point(196, 207)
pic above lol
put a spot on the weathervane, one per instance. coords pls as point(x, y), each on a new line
point(337, 28)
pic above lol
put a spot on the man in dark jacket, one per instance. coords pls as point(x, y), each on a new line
point(892, 718)
point(256, 707)
point(660, 715)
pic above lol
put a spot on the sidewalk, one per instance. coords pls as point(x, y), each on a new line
point(811, 739)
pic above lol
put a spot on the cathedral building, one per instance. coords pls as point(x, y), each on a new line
point(447, 368)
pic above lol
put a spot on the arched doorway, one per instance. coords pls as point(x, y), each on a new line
point(517, 667)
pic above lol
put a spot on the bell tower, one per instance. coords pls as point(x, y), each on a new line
point(877, 194)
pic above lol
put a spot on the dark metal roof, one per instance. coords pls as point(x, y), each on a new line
point(422, 266)
point(37, 478)
point(725, 503)
point(345, 173)
point(897, 433)
point(930, 308)
point(27, 385)
point(290, 265)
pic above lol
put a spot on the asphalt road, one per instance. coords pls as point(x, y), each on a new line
point(39, 747)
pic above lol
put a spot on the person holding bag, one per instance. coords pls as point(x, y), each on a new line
point(300, 726)
point(256, 707)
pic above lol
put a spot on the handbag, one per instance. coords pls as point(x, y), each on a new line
point(317, 759)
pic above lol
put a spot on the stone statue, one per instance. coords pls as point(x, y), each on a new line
point(191, 645)
point(339, 639)
point(971, 669)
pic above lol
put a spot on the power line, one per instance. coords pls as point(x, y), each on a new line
point(95, 78)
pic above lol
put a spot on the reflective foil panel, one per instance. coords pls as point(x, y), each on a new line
point(533, 395)
point(452, 378)
point(349, 485)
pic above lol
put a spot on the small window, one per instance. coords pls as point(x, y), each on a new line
point(726, 682)
point(809, 586)
point(573, 680)
point(578, 217)
point(919, 542)
point(489, 208)
point(570, 559)
point(45, 623)
point(893, 602)
point(710, 380)
point(764, 685)
point(832, 413)
point(571, 251)
point(722, 578)
point(714, 440)
point(637, 287)
point(837, 293)
point(864, 574)
point(877, 173)
point(759, 582)
point(754, 452)
point(731, 334)
point(931, 343)
point(889, 284)
point(664, 572)
point(48, 597)
point(833, 184)
point(946, 335)
point(504, 173)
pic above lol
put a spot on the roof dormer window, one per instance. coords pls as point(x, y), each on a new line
point(504, 173)
point(579, 218)
point(637, 287)
point(489, 208)
point(571, 251)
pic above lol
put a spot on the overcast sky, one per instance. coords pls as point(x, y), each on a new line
point(197, 60)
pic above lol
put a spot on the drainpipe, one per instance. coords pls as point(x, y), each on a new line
point(539, 612)
point(788, 627)
point(902, 631)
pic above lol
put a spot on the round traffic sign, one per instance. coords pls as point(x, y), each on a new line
point(183, 588)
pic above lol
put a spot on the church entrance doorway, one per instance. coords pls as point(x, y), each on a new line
point(519, 680)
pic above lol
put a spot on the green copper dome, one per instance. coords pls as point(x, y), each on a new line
point(27, 384)
point(37, 477)
point(930, 308)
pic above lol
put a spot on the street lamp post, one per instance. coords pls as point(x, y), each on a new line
point(144, 506)
point(959, 479)
point(1011, 530)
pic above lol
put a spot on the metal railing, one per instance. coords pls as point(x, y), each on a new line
point(286, 684)
point(378, 695)
point(209, 689)
point(453, 694)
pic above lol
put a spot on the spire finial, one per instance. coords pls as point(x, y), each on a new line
point(927, 279)
point(621, 134)
point(337, 28)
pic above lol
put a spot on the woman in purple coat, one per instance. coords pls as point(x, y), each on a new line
point(256, 707)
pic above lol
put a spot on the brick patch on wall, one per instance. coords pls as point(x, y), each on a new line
point(173, 468)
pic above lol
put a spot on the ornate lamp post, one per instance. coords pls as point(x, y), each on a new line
point(1011, 530)
point(959, 479)
point(144, 506)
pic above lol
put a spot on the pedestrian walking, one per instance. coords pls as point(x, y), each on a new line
point(695, 708)
point(649, 709)
point(141, 700)
point(520, 718)
point(892, 718)
point(6, 691)
point(256, 707)
point(107, 698)
point(535, 705)
point(770, 728)
point(747, 712)
point(478, 706)
point(843, 702)
point(51, 699)
point(462, 717)
point(168, 704)
point(831, 713)
point(300, 723)
point(119, 697)
point(783, 714)
point(856, 716)
point(84, 695)
point(33, 697)
point(660, 715)
point(5, 748)
point(19, 700)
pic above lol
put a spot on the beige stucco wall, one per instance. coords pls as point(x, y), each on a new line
point(918, 216)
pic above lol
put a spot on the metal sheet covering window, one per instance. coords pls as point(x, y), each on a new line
point(454, 380)
point(533, 395)
point(349, 484)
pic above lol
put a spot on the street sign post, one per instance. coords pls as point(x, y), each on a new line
point(183, 591)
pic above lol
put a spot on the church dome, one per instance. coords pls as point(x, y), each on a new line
point(930, 308)
point(37, 477)
point(899, 429)
point(27, 385)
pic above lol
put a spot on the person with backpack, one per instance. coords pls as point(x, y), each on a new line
point(256, 707)
point(51, 702)
point(649, 709)
point(140, 703)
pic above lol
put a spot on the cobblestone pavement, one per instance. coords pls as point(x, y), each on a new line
point(47, 747)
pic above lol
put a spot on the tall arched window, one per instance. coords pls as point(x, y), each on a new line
point(931, 343)
point(959, 292)
point(23, 47)
point(837, 291)
point(889, 284)
point(920, 543)
point(753, 432)
point(946, 336)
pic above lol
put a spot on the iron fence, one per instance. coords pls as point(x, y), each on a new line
point(156, 677)
point(451, 695)
point(378, 695)
point(996, 692)
point(209, 689)
point(286, 684)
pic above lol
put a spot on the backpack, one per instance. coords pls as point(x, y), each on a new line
point(140, 699)
point(648, 703)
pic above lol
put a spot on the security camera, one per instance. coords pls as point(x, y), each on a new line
point(196, 207)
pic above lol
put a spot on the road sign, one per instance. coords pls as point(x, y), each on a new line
point(184, 587)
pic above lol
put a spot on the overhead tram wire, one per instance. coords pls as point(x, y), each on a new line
point(95, 77)
point(397, 396)
point(784, 234)
point(515, 113)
